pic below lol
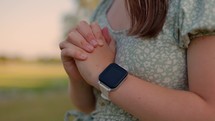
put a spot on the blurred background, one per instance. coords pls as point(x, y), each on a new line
point(33, 84)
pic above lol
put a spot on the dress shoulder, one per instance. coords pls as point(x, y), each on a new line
point(195, 18)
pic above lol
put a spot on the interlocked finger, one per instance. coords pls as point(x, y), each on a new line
point(85, 30)
point(70, 50)
point(97, 32)
point(78, 40)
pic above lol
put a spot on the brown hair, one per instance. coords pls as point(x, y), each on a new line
point(147, 17)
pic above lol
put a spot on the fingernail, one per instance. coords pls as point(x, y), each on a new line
point(101, 43)
point(93, 42)
point(89, 47)
point(83, 56)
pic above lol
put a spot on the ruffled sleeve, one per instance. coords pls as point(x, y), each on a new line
point(196, 18)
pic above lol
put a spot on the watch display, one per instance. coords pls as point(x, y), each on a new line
point(112, 76)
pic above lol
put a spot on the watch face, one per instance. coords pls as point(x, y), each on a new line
point(113, 75)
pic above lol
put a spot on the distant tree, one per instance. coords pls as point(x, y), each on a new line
point(84, 11)
point(48, 60)
point(88, 4)
point(69, 21)
point(3, 58)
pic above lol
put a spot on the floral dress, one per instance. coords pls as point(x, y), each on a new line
point(160, 60)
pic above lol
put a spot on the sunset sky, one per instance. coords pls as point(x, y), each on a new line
point(32, 28)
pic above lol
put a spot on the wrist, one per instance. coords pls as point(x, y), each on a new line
point(111, 78)
point(100, 69)
point(79, 83)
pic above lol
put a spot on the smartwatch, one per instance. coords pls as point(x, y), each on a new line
point(111, 78)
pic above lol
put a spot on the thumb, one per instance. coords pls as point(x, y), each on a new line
point(106, 35)
point(112, 45)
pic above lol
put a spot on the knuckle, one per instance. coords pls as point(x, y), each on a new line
point(82, 43)
point(89, 36)
point(82, 22)
point(68, 53)
point(70, 36)
point(99, 35)
point(71, 52)
point(64, 52)
point(95, 24)
point(96, 28)
point(72, 30)
point(61, 45)
point(77, 53)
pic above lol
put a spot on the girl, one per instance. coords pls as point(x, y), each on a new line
point(166, 46)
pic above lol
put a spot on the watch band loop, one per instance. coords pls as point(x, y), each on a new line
point(104, 91)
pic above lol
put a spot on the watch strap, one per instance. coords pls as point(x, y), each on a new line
point(104, 91)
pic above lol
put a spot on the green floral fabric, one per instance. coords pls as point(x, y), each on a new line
point(160, 60)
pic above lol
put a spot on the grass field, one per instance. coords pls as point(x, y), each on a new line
point(33, 92)
point(30, 75)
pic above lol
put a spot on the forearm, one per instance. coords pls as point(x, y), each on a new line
point(154, 103)
point(82, 96)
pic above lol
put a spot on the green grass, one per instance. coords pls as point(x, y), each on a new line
point(47, 106)
point(33, 92)
point(30, 75)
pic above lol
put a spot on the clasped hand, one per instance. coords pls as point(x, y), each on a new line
point(86, 52)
